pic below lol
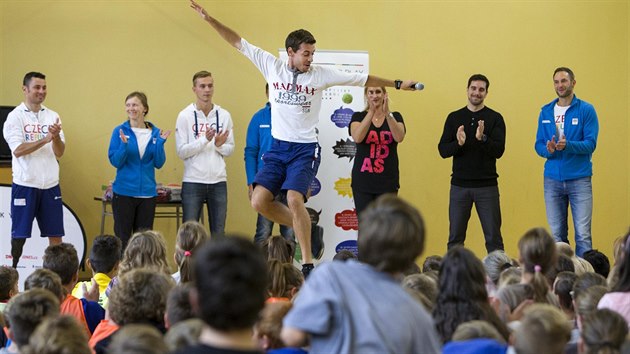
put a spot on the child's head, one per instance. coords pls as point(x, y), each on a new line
point(183, 334)
point(538, 256)
point(61, 334)
point(344, 255)
point(140, 296)
point(62, 259)
point(146, 249)
point(138, 338)
point(267, 329)
point(26, 310)
point(8, 283)
point(105, 254)
point(189, 236)
point(543, 329)
point(277, 247)
point(46, 279)
point(604, 331)
point(178, 306)
point(495, 263)
point(284, 279)
point(431, 263)
point(563, 288)
point(391, 234)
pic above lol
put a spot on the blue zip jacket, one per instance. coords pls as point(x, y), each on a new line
point(258, 141)
point(580, 129)
point(135, 177)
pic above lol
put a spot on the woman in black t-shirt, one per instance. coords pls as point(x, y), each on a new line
point(377, 132)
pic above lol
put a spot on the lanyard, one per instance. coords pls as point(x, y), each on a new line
point(197, 123)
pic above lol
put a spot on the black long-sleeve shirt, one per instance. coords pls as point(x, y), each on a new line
point(474, 163)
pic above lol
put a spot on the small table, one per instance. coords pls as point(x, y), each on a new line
point(177, 214)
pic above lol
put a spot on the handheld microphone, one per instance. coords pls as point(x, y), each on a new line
point(418, 86)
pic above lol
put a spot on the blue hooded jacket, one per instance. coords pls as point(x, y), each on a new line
point(135, 177)
point(580, 129)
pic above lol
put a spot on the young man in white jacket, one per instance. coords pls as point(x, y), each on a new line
point(204, 138)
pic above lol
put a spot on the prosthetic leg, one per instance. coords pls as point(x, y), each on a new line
point(17, 245)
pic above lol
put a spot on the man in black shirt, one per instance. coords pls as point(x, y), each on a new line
point(475, 137)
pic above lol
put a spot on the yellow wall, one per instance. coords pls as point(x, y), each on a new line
point(95, 52)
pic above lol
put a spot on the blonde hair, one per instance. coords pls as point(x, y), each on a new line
point(146, 249)
point(190, 235)
point(477, 329)
point(58, 335)
point(270, 323)
point(543, 329)
point(138, 338)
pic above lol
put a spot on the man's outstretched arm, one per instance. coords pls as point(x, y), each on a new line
point(225, 32)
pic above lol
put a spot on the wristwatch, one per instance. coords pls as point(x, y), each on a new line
point(397, 84)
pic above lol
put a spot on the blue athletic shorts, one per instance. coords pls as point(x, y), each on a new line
point(289, 166)
point(43, 204)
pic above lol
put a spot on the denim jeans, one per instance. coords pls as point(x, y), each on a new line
point(486, 200)
point(194, 195)
point(264, 226)
point(579, 194)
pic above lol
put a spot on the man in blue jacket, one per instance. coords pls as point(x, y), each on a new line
point(567, 137)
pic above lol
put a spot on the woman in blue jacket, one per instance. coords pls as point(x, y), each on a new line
point(136, 149)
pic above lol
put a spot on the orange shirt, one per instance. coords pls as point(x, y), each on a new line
point(74, 307)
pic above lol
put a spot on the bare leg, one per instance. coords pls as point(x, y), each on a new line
point(295, 215)
point(54, 240)
point(264, 203)
point(301, 224)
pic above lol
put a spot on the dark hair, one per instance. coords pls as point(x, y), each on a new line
point(30, 75)
point(297, 37)
point(563, 287)
point(566, 70)
point(190, 235)
point(391, 234)
point(586, 281)
point(178, 306)
point(231, 282)
point(599, 261)
point(27, 310)
point(479, 77)
point(344, 255)
point(537, 248)
point(564, 263)
point(277, 247)
point(604, 329)
point(200, 74)
point(140, 297)
point(106, 253)
point(462, 295)
point(142, 97)
point(623, 283)
point(63, 260)
point(283, 277)
point(8, 279)
point(45, 279)
point(431, 263)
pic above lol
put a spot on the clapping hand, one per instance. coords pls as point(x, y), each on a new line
point(221, 137)
point(123, 137)
point(164, 134)
point(461, 135)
